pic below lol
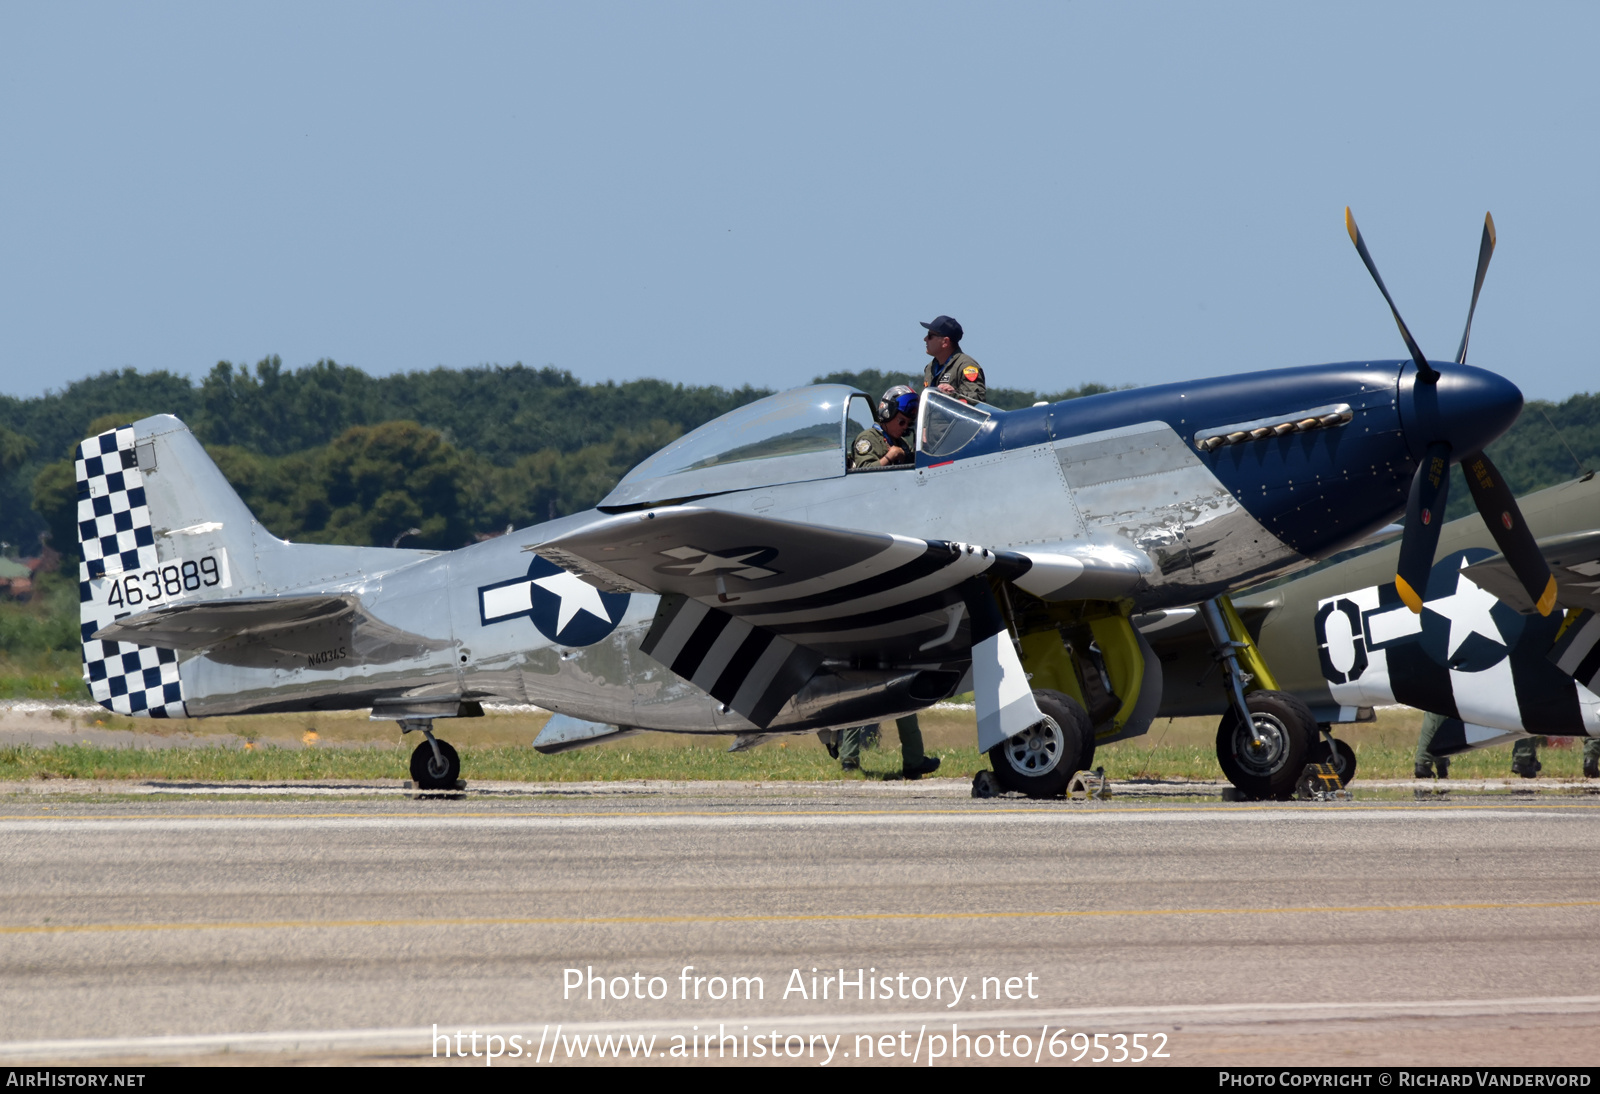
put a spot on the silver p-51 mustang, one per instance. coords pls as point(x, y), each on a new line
point(742, 581)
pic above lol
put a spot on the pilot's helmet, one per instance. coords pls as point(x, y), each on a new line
point(899, 399)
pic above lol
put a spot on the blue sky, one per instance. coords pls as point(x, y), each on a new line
point(759, 192)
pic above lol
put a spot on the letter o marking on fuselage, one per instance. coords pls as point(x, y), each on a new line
point(1347, 643)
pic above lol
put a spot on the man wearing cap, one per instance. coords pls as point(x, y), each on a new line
point(951, 371)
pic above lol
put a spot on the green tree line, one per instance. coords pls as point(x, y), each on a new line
point(327, 453)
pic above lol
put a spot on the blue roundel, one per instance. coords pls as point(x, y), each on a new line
point(1463, 627)
point(560, 596)
point(565, 609)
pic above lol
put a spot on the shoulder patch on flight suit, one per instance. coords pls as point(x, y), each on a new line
point(863, 446)
point(970, 372)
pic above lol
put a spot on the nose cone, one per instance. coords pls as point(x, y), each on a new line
point(1467, 407)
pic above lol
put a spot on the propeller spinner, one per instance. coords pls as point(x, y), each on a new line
point(1456, 417)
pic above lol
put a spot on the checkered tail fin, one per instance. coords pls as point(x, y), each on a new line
point(156, 519)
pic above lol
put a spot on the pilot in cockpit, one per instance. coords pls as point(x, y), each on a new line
point(888, 442)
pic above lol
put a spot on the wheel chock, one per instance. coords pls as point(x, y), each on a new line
point(1320, 782)
point(1089, 786)
point(985, 785)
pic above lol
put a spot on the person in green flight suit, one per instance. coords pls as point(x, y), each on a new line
point(914, 763)
point(951, 371)
point(1525, 757)
point(888, 442)
point(1426, 761)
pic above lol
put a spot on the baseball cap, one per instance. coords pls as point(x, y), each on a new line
point(944, 327)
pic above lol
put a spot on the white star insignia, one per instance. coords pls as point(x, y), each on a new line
point(1468, 611)
point(710, 562)
point(575, 595)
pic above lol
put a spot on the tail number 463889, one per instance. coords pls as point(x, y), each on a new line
point(166, 582)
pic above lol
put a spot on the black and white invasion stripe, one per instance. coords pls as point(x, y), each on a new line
point(895, 612)
point(750, 670)
point(1577, 650)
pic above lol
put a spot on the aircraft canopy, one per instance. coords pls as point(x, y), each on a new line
point(793, 436)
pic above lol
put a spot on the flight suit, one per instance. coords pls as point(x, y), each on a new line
point(960, 372)
point(872, 445)
point(1426, 761)
point(1525, 757)
point(911, 753)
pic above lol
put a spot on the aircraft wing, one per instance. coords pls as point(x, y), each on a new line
point(1574, 561)
point(752, 606)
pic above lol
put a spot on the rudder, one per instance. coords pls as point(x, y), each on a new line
point(116, 541)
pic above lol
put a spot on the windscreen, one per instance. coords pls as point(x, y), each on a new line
point(948, 424)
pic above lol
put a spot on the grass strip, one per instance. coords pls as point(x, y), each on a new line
point(510, 763)
point(803, 761)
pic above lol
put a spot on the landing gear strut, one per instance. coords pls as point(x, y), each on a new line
point(434, 764)
point(1267, 736)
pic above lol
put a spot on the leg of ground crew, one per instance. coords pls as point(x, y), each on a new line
point(850, 747)
point(1591, 758)
point(914, 763)
point(1426, 762)
point(1525, 757)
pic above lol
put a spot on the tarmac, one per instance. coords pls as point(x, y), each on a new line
point(149, 922)
point(352, 923)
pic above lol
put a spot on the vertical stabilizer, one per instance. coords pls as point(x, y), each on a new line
point(121, 573)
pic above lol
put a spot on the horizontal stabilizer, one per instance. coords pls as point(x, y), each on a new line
point(211, 623)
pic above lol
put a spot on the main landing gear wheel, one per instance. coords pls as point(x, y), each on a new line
point(1265, 759)
point(1343, 758)
point(1042, 759)
point(428, 773)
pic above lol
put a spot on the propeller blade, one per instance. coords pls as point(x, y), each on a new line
point(1425, 372)
point(1485, 252)
point(1430, 490)
point(1500, 513)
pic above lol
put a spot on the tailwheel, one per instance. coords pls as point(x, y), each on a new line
point(1341, 756)
point(435, 770)
point(1265, 759)
point(1042, 759)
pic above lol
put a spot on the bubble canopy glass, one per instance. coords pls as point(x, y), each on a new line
point(793, 436)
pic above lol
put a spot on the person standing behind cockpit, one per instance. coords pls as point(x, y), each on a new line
point(951, 371)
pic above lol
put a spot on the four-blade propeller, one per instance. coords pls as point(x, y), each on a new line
point(1431, 487)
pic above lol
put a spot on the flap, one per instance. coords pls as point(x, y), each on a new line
point(210, 623)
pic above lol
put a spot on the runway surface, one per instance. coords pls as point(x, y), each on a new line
point(325, 931)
